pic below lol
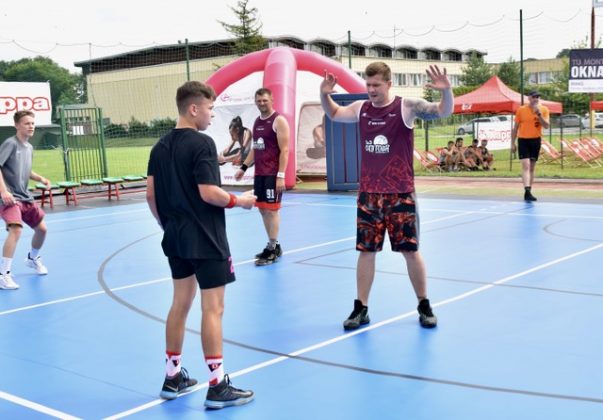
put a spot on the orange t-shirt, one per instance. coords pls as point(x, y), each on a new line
point(528, 122)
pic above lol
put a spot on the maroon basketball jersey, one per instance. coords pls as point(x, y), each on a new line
point(265, 146)
point(387, 149)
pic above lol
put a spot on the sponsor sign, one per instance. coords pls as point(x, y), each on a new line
point(19, 96)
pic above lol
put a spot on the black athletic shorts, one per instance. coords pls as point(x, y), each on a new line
point(209, 273)
point(264, 187)
point(528, 148)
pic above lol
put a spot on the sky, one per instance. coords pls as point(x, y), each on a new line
point(69, 31)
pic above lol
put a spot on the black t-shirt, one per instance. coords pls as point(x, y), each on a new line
point(179, 162)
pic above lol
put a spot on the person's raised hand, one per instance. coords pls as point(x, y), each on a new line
point(327, 86)
point(439, 79)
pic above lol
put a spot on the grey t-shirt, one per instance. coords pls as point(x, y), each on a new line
point(15, 162)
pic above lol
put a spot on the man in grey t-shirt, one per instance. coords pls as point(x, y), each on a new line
point(17, 205)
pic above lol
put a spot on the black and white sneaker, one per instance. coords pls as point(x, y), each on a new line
point(278, 250)
point(426, 317)
point(226, 395)
point(176, 385)
point(267, 257)
point(358, 317)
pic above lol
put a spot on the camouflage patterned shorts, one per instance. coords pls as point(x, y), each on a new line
point(396, 213)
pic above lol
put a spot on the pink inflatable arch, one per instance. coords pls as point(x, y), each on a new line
point(280, 66)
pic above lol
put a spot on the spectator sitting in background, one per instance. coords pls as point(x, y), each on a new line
point(449, 158)
point(474, 154)
point(464, 162)
point(487, 157)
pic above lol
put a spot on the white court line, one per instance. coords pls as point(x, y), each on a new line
point(510, 212)
point(369, 328)
point(72, 298)
point(36, 407)
point(98, 216)
point(100, 292)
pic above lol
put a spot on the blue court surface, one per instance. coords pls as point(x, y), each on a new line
point(517, 289)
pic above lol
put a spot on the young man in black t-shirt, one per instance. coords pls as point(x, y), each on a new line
point(184, 194)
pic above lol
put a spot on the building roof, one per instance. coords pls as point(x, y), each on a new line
point(173, 53)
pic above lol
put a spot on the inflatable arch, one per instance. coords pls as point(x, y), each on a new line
point(280, 66)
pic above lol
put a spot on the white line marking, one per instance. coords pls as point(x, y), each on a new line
point(100, 292)
point(97, 216)
point(370, 327)
point(69, 299)
point(36, 407)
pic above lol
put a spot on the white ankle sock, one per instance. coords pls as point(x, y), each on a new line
point(6, 265)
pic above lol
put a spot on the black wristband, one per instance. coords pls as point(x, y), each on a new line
point(244, 167)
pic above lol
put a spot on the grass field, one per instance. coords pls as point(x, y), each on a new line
point(120, 161)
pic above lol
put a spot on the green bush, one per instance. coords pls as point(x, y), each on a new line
point(159, 127)
point(137, 128)
point(113, 131)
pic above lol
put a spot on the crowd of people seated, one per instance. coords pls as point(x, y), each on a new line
point(456, 157)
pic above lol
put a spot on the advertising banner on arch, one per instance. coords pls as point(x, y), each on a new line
point(236, 106)
point(586, 71)
point(19, 96)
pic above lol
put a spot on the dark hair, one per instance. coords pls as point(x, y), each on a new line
point(263, 91)
point(237, 123)
point(459, 138)
point(191, 92)
point(20, 114)
point(379, 67)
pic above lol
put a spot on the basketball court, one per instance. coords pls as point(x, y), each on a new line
point(516, 287)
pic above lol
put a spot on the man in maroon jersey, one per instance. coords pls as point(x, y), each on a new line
point(270, 153)
point(386, 198)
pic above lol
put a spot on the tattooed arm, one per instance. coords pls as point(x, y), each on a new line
point(420, 108)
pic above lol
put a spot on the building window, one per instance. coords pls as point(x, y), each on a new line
point(545, 77)
point(399, 79)
point(454, 80)
point(416, 79)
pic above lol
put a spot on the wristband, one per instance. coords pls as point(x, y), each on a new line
point(280, 175)
point(244, 167)
point(232, 201)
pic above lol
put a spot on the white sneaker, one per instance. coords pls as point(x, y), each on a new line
point(7, 282)
point(36, 263)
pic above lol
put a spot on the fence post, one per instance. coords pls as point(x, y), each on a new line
point(65, 141)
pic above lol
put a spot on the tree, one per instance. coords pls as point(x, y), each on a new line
point(65, 88)
point(477, 71)
point(509, 74)
point(248, 32)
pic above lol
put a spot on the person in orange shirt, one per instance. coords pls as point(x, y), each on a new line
point(530, 119)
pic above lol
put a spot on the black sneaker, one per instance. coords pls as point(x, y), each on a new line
point(358, 317)
point(426, 317)
point(172, 387)
point(529, 197)
point(278, 250)
point(226, 395)
point(267, 257)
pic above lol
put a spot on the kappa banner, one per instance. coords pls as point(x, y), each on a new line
point(586, 71)
point(498, 134)
point(19, 96)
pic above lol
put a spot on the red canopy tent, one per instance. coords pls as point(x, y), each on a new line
point(596, 105)
point(495, 97)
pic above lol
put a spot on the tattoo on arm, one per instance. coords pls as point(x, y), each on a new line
point(426, 111)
